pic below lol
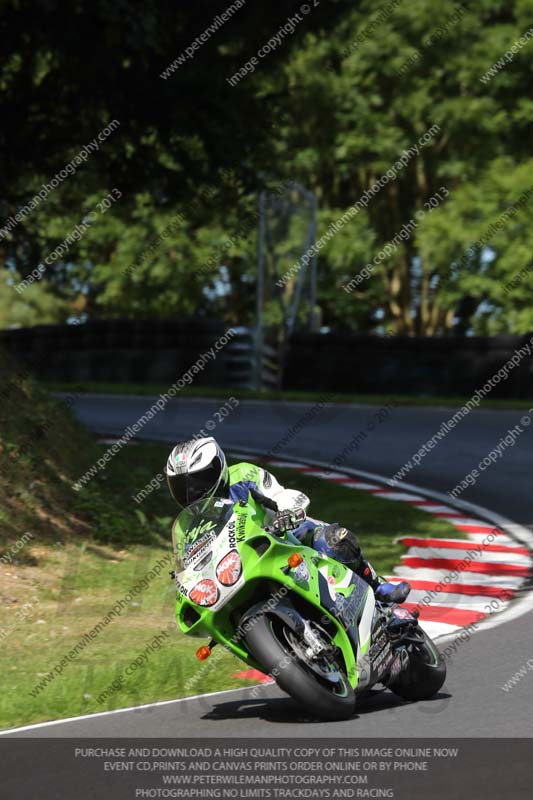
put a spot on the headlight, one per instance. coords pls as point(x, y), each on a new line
point(205, 593)
point(229, 569)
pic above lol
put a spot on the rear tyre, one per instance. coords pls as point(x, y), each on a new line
point(269, 641)
point(426, 671)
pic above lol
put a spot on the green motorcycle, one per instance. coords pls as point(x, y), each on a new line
point(294, 613)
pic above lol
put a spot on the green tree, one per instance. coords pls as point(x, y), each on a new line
point(35, 303)
point(333, 107)
point(357, 97)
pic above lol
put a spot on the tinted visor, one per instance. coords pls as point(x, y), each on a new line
point(200, 484)
point(177, 485)
point(189, 487)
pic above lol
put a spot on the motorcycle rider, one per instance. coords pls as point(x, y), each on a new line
point(197, 469)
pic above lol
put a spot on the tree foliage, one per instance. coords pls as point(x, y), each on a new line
point(333, 107)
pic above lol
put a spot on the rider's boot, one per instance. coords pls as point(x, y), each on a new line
point(384, 591)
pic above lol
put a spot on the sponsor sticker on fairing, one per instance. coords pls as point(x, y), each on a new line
point(229, 569)
point(301, 573)
point(205, 593)
point(199, 548)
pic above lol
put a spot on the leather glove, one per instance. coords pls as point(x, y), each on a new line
point(287, 520)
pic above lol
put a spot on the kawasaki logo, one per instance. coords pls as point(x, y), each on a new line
point(241, 528)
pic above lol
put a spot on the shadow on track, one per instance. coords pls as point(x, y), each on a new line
point(286, 711)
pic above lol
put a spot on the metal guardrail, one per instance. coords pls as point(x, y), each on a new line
point(251, 364)
point(126, 351)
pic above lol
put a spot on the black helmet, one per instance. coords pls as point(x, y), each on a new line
point(196, 470)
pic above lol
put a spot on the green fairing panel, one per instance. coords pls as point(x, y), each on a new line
point(244, 472)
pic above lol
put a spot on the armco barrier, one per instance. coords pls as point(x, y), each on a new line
point(158, 351)
point(137, 351)
point(453, 366)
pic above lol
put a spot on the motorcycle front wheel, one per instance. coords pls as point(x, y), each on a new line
point(321, 686)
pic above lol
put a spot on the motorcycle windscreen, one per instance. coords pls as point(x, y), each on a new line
point(197, 527)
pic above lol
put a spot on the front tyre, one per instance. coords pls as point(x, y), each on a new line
point(426, 671)
point(272, 644)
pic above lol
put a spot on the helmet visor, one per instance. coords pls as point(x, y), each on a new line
point(201, 484)
point(187, 488)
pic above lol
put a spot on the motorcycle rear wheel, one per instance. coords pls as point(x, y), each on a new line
point(425, 674)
